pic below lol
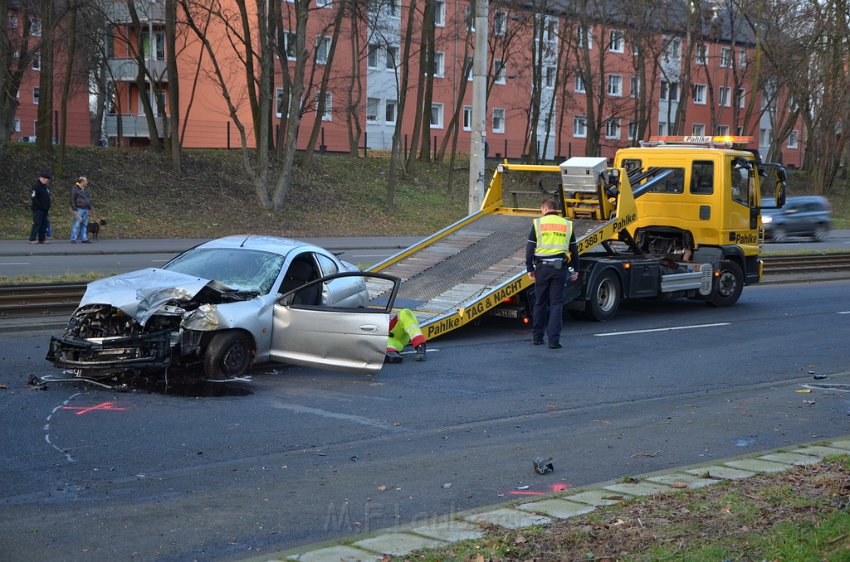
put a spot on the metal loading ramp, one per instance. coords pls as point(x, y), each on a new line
point(460, 276)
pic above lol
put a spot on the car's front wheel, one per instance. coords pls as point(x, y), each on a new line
point(227, 356)
point(821, 233)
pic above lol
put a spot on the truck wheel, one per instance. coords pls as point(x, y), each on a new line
point(728, 285)
point(228, 355)
point(605, 295)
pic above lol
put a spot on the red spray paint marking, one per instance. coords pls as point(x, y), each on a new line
point(86, 410)
point(559, 487)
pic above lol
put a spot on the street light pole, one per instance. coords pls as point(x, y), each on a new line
point(478, 140)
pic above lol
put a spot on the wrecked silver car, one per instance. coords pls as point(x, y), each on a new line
point(226, 304)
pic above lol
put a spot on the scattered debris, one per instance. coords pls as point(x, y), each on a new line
point(526, 487)
point(806, 390)
point(655, 454)
point(543, 466)
point(447, 485)
point(819, 377)
point(3, 387)
point(35, 383)
point(382, 488)
point(809, 402)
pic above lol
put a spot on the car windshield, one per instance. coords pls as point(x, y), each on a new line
point(241, 269)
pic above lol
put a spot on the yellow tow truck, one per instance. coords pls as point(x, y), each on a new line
point(675, 217)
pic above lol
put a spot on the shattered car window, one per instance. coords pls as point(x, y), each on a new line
point(245, 270)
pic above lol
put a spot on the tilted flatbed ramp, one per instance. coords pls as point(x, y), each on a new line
point(461, 272)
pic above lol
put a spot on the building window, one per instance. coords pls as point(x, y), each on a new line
point(725, 57)
point(580, 126)
point(723, 130)
point(392, 57)
point(615, 85)
point(549, 77)
point(499, 71)
point(289, 44)
point(580, 85)
point(739, 130)
point(36, 61)
point(18, 125)
point(723, 96)
point(634, 87)
point(326, 114)
point(742, 98)
point(612, 128)
point(372, 105)
point(13, 22)
point(439, 13)
point(470, 19)
point(35, 95)
point(616, 41)
point(673, 50)
point(742, 59)
point(701, 56)
point(35, 27)
point(792, 139)
point(585, 38)
point(632, 130)
point(698, 130)
point(372, 56)
point(436, 116)
point(662, 128)
point(324, 3)
point(389, 112)
point(439, 64)
point(498, 120)
point(323, 47)
point(699, 93)
point(280, 99)
point(500, 23)
point(669, 91)
point(467, 118)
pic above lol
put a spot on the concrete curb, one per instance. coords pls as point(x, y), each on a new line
point(440, 532)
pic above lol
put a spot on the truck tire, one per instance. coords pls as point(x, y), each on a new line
point(227, 356)
point(728, 285)
point(605, 294)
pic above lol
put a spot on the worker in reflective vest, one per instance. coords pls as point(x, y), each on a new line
point(404, 329)
point(550, 251)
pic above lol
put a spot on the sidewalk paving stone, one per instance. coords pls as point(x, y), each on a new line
point(336, 554)
point(721, 472)
point(758, 465)
point(598, 497)
point(398, 544)
point(791, 458)
point(676, 480)
point(639, 488)
point(559, 508)
point(450, 531)
point(844, 444)
point(820, 451)
point(509, 518)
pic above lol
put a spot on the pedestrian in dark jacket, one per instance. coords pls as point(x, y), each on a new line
point(80, 207)
point(40, 209)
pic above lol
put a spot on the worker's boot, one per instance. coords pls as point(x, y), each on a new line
point(393, 357)
point(420, 352)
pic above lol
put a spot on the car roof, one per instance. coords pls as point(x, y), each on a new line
point(802, 198)
point(262, 242)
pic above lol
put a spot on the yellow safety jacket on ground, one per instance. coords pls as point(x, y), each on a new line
point(553, 235)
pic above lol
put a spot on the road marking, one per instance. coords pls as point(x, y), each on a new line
point(16, 263)
point(844, 312)
point(160, 261)
point(663, 329)
point(335, 415)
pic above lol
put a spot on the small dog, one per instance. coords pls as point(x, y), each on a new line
point(93, 227)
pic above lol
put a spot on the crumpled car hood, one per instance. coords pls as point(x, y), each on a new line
point(142, 293)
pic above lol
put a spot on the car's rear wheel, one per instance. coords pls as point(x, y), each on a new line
point(227, 356)
point(821, 233)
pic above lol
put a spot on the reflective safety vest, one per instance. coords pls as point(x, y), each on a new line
point(553, 236)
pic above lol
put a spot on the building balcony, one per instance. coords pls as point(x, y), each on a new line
point(125, 70)
point(117, 13)
point(132, 126)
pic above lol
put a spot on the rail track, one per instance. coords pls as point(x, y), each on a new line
point(55, 302)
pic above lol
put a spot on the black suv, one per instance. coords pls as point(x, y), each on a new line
point(801, 216)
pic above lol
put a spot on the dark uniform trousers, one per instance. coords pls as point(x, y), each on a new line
point(549, 283)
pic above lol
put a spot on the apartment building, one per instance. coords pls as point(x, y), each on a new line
point(538, 70)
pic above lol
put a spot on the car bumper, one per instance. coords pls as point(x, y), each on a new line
point(149, 351)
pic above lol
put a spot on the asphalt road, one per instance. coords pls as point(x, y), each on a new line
point(300, 456)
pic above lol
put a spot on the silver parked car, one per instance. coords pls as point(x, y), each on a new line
point(227, 304)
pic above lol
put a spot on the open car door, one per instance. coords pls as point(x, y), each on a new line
point(349, 335)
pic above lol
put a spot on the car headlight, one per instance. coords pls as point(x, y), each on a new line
point(767, 220)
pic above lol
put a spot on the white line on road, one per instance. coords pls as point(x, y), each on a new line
point(663, 329)
point(335, 415)
point(160, 261)
point(16, 263)
point(844, 312)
